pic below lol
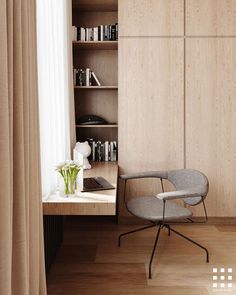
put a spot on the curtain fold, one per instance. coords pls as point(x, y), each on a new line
point(21, 241)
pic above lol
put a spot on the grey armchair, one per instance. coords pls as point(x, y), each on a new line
point(191, 186)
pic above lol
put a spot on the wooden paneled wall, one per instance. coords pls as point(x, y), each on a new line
point(177, 94)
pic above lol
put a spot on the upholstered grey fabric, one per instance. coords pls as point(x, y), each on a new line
point(182, 194)
point(151, 208)
point(191, 185)
point(191, 180)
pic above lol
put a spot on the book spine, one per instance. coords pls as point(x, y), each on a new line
point(111, 151)
point(106, 151)
point(109, 32)
point(90, 78)
point(79, 33)
point(113, 32)
point(104, 33)
point(90, 34)
point(82, 34)
point(115, 151)
point(101, 33)
point(96, 148)
point(116, 31)
point(87, 71)
point(74, 33)
point(99, 150)
point(103, 152)
point(80, 77)
point(95, 34)
point(96, 79)
point(87, 34)
point(93, 151)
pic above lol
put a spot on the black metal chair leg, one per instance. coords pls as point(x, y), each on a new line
point(195, 243)
point(133, 231)
point(153, 252)
point(168, 230)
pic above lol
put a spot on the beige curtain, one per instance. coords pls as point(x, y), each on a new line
point(21, 237)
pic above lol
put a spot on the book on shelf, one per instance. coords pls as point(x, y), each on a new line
point(95, 78)
point(82, 34)
point(88, 77)
point(103, 151)
point(106, 150)
point(113, 152)
point(116, 31)
point(74, 33)
point(85, 77)
point(99, 33)
point(95, 34)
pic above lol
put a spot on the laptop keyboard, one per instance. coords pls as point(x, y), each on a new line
point(91, 183)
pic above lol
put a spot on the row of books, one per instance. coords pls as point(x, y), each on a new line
point(100, 33)
point(85, 77)
point(103, 151)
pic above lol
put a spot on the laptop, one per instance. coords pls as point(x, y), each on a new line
point(96, 184)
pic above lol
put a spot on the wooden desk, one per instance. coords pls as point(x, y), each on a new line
point(87, 203)
point(92, 203)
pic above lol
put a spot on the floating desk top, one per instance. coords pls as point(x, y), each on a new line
point(87, 203)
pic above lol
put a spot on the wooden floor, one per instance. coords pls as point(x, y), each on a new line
point(90, 262)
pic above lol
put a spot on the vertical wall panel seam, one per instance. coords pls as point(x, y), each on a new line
point(184, 86)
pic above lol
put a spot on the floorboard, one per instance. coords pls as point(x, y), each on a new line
point(90, 262)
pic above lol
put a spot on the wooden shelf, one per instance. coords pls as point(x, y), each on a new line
point(98, 126)
point(96, 45)
point(97, 87)
point(95, 5)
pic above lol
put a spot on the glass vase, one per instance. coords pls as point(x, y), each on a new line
point(69, 187)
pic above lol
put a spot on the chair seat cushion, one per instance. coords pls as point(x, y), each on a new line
point(151, 208)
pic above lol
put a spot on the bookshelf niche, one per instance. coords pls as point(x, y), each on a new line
point(101, 57)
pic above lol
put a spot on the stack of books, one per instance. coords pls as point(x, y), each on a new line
point(103, 151)
point(85, 77)
point(100, 33)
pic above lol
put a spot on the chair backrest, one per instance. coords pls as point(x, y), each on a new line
point(190, 179)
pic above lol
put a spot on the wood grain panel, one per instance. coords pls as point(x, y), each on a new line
point(95, 5)
point(150, 109)
point(151, 17)
point(211, 118)
point(211, 17)
point(100, 103)
point(94, 18)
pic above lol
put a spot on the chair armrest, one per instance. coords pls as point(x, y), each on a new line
point(149, 174)
point(181, 194)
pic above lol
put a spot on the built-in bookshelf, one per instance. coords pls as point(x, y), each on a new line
point(101, 57)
